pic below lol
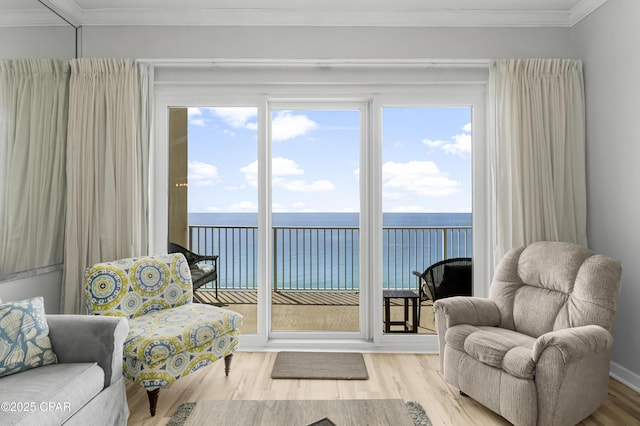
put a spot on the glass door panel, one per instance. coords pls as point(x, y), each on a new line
point(213, 203)
point(315, 220)
point(427, 198)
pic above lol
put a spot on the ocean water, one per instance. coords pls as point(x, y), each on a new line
point(320, 251)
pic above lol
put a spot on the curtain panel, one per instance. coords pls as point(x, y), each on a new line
point(107, 168)
point(33, 132)
point(537, 152)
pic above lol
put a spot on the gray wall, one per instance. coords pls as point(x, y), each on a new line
point(45, 284)
point(37, 42)
point(323, 43)
point(608, 41)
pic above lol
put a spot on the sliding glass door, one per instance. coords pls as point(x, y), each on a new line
point(427, 206)
point(316, 202)
point(315, 209)
point(213, 209)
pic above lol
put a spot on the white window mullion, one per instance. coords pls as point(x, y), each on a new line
point(265, 236)
point(374, 207)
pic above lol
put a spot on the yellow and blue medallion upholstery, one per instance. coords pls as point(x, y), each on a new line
point(169, 336)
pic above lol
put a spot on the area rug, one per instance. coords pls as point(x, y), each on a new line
point(266, 413)
point(319, 365)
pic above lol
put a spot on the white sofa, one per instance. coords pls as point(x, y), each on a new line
point(85, 387)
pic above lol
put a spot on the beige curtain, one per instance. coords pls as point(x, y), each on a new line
point(537, 152)
point(107, 168)
point(33, 131)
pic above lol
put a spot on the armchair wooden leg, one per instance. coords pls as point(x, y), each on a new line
point(153, 400)
point(227, 364)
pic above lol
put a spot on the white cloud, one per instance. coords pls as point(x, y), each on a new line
point(280, 169)
point(407, 209)
point(302, 208)
point(201, 122)
point(288, 126)
point(285, 167)
point(421, 177)
point(459, 145)
point(237, 116)
point(299, 205)
point(393, 195)
point(194, 112)
point(202, 174)
point(235, 187)
point(279, 208)
point(434, 144)
point(194, 115)
point(250, 172)
point(210, 209)
point(243, 206)
point(304, 186)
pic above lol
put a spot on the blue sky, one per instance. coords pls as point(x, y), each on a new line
point(426, 160)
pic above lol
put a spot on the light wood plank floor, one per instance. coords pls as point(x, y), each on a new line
point(413, 377)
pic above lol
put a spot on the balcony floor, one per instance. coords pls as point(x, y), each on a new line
point(307, 311)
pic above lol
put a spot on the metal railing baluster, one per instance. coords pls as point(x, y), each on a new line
point(328, 254)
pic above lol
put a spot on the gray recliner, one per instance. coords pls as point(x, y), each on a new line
point(537, 350)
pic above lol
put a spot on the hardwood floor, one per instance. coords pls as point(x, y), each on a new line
point(413, 377)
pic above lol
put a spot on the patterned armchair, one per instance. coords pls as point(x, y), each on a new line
point(169, 336)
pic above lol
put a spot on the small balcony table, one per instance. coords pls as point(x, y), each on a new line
point(410, 324)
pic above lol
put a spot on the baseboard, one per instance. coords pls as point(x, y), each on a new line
point(625, 376)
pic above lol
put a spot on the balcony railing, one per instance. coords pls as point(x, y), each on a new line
point(325, 258)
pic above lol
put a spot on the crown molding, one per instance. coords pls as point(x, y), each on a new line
point(583, 9)
point(70, 11)
point(65, 9)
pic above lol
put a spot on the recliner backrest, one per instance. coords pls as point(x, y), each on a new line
point(548, 286)
point(136, 286)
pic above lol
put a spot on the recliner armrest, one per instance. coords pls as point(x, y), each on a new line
point(88, 338)
point(574, 343)
point(477, 311)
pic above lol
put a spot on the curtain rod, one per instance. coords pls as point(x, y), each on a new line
point(476, 63)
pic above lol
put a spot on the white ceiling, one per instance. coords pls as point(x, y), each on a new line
point(509, 13)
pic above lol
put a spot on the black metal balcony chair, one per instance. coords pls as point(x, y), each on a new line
point(201, 272)
point(446, 278)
